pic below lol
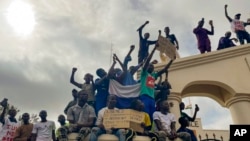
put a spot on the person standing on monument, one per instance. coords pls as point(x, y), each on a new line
point(147, 80)
point(88, 86)
point(201, 33)
point(144, 43)
point(238, 27)
point(102, 86)
point(171, 37)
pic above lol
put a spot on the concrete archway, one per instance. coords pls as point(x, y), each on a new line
point(221, 75)
point(215, 90)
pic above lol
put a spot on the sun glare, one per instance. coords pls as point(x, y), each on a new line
point(21, 17)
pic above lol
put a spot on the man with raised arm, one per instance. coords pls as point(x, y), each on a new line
point(144, 43)
point(183, 114)
point(201, 33)
point(148, 77)
point(88, 86)
point(238, 27)
point(9, 122)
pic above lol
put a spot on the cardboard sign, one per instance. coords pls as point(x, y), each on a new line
point(123, 118)
point(165, 46)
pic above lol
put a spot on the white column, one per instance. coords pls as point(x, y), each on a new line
point(239, 106)
point(175, 98)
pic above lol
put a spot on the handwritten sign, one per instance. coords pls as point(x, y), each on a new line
point(125, 118)
point(166, 47)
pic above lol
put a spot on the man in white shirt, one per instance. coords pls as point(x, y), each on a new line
point(238, 27)
point(100, 129)
point(165, 124)
point(9, 124)
point(43, 130)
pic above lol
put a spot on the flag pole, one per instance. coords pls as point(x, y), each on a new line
point(111, 53)
point(191, 109)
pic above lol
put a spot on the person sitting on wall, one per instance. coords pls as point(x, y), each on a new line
point(100, 129)
point(165, 124)
point(81, 116)
point(226, 42)
point(146, 124)
point(184, 124)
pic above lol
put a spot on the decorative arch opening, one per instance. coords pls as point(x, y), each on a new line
point(215, 90)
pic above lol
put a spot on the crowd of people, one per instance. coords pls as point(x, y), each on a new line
point(118, 89)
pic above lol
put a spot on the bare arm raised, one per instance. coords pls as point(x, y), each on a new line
point(226, 14)
point(72, 79)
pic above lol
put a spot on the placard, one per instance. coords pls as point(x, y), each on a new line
point(123, 118)
point(165, 46)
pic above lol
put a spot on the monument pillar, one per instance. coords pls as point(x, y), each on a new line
point(239, 108)
point(175, 99)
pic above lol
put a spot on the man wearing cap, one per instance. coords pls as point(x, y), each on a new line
point(238, 27)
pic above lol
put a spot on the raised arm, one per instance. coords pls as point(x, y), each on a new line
point(111, 69)
point(212, 28)
point(154, 42)
point(140, 29)
point(119, 61)
point(195, 113)
point(72, 79)
point(128, 57)
point(4, 103)
point(226, 14)
point(165, 68)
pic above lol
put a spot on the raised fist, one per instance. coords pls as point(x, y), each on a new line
point(197, 108)
point(146, 22)
point(211, 22)
point(225, 6)
point(132, 47)
point(74, 69)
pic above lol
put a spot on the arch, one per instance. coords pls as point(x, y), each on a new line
point(215, 90)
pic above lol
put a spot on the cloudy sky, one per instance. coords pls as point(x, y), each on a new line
point(40, 42)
